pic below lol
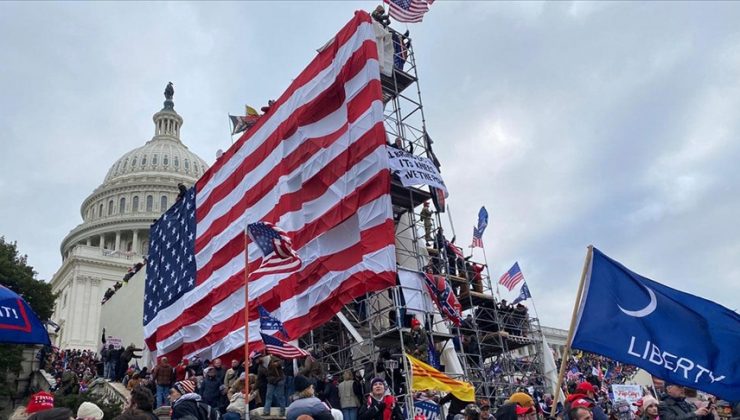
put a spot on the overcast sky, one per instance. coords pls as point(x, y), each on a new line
point(613, 124)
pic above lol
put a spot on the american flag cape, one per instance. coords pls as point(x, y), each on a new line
point(409, 11)
point(316, 166)
point(280, 348)
point(512, 277)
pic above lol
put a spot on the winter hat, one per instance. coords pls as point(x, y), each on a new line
point(584, 388)
point(648, 401)
point(522, 399)
point(184, 387)
point(375, 381)
point(301, 383)
point(89, 410)
point(39, 402)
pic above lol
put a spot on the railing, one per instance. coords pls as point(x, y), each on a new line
point(113, 392)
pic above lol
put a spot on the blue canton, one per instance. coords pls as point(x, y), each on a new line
point(171, 265)
point(264, 236)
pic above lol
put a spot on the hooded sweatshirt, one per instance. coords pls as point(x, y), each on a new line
point(186, 405)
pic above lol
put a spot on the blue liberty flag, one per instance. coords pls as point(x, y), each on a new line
point(673, 335)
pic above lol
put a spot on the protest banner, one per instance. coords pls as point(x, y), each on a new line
point(116, 341)
point(415, 170)
point(629, 393)
point(427, 408)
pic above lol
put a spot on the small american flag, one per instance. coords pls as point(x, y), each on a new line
point(276, 248)
point(409, 11)
point(512, 277)
point(282, 349)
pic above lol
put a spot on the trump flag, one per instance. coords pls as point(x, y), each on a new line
point(678, 337)
point(18, 323)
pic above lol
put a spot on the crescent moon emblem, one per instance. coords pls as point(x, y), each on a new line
point(644, 311)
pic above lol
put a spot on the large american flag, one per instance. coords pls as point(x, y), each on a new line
point(410, 11)
point(282, 349)
point(316, 166)
point(512, 277)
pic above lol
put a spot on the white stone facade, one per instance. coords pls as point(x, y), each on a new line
point(114, 234)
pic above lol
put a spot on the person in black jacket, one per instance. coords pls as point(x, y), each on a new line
point(456, 405)
point(186, 404)
point(210, 389)
point(378, 401)
point(675, 406)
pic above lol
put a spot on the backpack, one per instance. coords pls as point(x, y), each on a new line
point(207, 412)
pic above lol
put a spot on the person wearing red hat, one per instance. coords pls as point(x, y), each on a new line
point(584, 391)
point(39, 402)
point(418, 342)
point(525, 413)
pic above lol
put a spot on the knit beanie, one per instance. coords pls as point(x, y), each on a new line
point(184, 387)
point(522, 399)
point(648, 401)
point(301, 383)
point(89, 410)
point(376, 380)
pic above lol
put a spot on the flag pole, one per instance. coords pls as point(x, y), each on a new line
point(246, 307)
point(566, 353)
point(488, 271)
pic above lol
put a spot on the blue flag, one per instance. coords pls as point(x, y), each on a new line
point(523, 294)
point(675, 336)
point(18, 323)
point(478, 230)
point(269, 322)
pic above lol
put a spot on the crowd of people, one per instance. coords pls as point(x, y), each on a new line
point(126, 277)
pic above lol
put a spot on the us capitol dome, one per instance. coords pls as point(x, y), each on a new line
point(114, 234)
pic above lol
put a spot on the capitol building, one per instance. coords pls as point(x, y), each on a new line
point(114, 233)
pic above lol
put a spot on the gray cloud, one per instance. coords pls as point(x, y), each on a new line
point(574, 123)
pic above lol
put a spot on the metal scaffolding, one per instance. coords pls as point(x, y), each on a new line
point(371, 333)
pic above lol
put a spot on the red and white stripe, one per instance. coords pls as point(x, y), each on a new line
point(315, 165)
point(414, 14)
point(511, 281)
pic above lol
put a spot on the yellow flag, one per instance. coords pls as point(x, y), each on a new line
point(424, 377)
point(250, 110)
